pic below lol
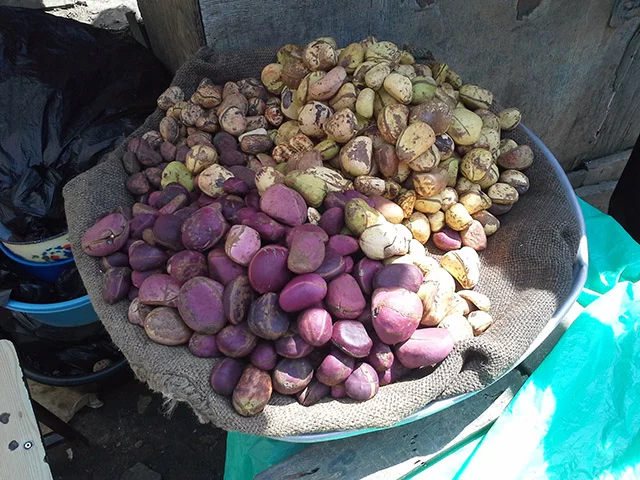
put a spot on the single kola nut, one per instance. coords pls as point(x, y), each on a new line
point(457, 217)
point(399, 87)
point(190, 113)
point(418, 224)
point(351, 56)
point(271, 78)
point(342, 126)
point(516, 179)
point(509, 118)
point(356, 155)
point(463, 265)
point(474, 236)
point(301, 143)
point(170, 97)
point(345, 98)
point(385, 240)
point(423, 70)
point(375, 76)
point(436, 221)
point(489, 119)
point(439, 72)
point(200, 157)
point(364, 102)
point(326, 87)
point(301, 94)
point(445, 145)
point(233, 121)
point(274, 115)
point(293, 71)
point(407, 201)
point(414, 140)
point(312, 118)
point(392, 121)
point(475, 97)
point(427, 184)
point(426, 161)
point(490, 223)
point(476, 163)
point(257, 106)
point(169, 129)
point(383, 52)
point(406, 70)
point(423, 89)
point(328, 148)
point(475, 201)
point(479, 321)
point(454, 79)
point(490, 178)
point(479, 300)
point(360, 72)
point(428, 205)
point(208, 95)
point(288, 51)
point(449, 197)
point(519, 158)
point(288, 105)
point(319, 55)
point(209, 122)
point(451, 166)
point(502, 194)
point(368, 185)
point(282, 153)
point(230, 88)
point(175, 110)
point(465, 126)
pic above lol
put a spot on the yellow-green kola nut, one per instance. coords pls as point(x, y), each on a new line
point(428, 184)
point(457, 217)
point(475, 201)
point(342, 126)
point(313, 117)
point(287, 131)
point(423, 88)
point(415, 140)
point(406, 58)
point(319, 55)
point(490, 223)
point(439, 72)
point(479, 321)
point(364, 103)
point(407, 201)
point(464, 185)
point(355, 156)
point(368, 185)
point(385, 240)
point(301, 94)
point(358, 216)
point(382, 52)
point(465, 127)
point(288, 51)
point(289, 106)
point(335, 182)
point(507, 145)
point(425, 161)
point(383, 99)
point(476, 299)
point(502, 194)
point(436, 221)
point(463, 265)
point(406, 70)
point(328, 149)
point(312, 188)
point(418, 224)
point(490, 178)
point(476, 164)
point(454, 79)
point(267, 176)
point(345, 98)
point(509, 118)
point(271, 78)
point(200, 157)
point(423, 70)
point(428, 205)
point(392, 121)
point(489, 119)
point(450, 165)
point(360, 72)
point(351, 56)
point(449, 198)
point(211, 179)
point(474, 96)
point(399, 87)
point(374, 78)
point(177, 172)
point(436, 293)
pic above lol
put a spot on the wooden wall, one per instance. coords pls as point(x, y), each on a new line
point(574, 75)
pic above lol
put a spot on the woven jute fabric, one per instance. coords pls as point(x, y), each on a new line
point(526, 272)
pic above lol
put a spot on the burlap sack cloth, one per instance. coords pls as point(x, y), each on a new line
point(526, 271)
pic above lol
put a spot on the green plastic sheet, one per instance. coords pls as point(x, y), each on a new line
point(578, 414)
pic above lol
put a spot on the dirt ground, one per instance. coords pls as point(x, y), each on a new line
point(132, 438)
point(108, 14)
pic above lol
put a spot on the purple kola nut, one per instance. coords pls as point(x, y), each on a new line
point(264, 356)
point(348, 265)
point(168, 151)
point(225, 375)
point(159, 290)
point(335, 368)
point(204, 346)
point(204, 229)
point(344, 298)
point(292, 345)
point(363, 383)
point(143, 257)
point(268, 270)
point(313, 393)
point(200, 305)
point(225, 141)
point(399, 275)
point(133, 293)
point(332, 220)
point(178, 202)
point(447, 239)
point(393, 374)
point(365, 271)
point(245, 214)
point(315, 326)
point(306, 253)
point(106, 236)
point(237, 299)
point(241, 244)
point(164, 326)
point(335, 199)
point(146, 155)
point(351, 194)
point(233, 158)
point(308, 229)
point(291, 375)
point(253, 199)
point(138, 278)
point(141, 209)
point(169, 192)
point(235, 186)
point(427, 346)
point(231, 205)
point(266, 319)
point(332, 265)
point(396, 313)
point(204, 200)
point(344, 244)
point(186, 265)
point(140, 223)
point(236, 341)
point(365, 317)
point(138, 184)
point(137, 312)
point(245, 174)
point(302, 292)
point(338, 391)
point(352, 338)
point(167, 232)
point(118, 259)
point(153, 199)
point(284, 204)
point(267, 227)
point(221, 268)
point(116, 284)
point(380, 357)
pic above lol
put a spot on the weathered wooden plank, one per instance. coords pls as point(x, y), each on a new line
point(22, 453)
point(555, 60)
point(398, 451)
point(606, 169)
point(597, 195)
point(174, 28)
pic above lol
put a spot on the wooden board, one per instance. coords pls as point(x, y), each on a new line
point(174, 28)
point(22, 454)
point(403, 450)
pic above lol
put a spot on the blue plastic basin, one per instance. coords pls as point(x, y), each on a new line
point(72, 313)
point(48, 272)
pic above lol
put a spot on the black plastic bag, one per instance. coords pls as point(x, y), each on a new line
point(69, 92)
point(625, 201)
